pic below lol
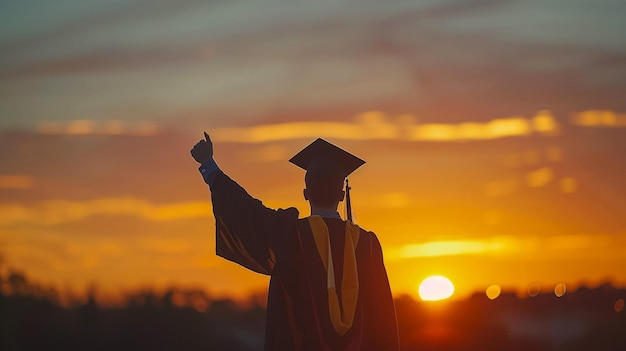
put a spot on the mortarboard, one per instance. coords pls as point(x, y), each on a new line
point(325, 158)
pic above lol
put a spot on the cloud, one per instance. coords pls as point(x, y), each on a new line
point(374, 126)
point(451, 248)
point(140, 11)
point(598, 118)
point(371, 125)
point(387, 56)
point(90, 127)
point(534, 246)
point(62, 211)
point(106, 60)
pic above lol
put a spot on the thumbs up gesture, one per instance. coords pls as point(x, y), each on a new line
point(203, 150)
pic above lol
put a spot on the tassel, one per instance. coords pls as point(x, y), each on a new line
point(348, 204)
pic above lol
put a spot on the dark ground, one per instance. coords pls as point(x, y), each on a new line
point(31, 318)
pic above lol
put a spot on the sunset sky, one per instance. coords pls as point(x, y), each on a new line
point(494, 134)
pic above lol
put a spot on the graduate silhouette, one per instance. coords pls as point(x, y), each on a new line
point(328, 287)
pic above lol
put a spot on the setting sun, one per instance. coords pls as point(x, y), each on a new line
point(436, 288)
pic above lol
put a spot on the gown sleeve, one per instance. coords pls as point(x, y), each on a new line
point(381, 325)
point(247, 232)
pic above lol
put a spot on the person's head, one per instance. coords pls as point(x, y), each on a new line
point(327, 166)
point(324, 183)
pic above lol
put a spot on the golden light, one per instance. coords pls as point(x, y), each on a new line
point(599, 118)
point(493, 291)
point(436, 288)
point(373, 125)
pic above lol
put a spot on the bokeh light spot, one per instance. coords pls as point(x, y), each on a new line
point(539, 177)
point(534, 289)
point(560, 289)
point(545, 123)
point(619, 305)
point(493, 291)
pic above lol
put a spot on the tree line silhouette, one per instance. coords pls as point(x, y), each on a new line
point(34, 317)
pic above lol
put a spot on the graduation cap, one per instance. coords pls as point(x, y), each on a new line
point(323, 160)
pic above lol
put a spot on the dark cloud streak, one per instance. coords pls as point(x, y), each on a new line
point(109, 60)
point(132, 11)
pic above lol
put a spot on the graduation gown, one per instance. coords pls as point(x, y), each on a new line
point(280, 244)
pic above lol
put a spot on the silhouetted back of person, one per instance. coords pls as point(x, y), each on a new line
point(328, 287)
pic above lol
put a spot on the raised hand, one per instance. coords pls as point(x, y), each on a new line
point(203, 150)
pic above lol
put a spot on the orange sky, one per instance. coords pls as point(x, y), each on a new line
point(512, 201)
point(494, 134)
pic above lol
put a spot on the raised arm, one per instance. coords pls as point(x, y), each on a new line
point(247, 232)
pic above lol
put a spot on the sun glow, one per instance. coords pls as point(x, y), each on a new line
point(435, 288)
